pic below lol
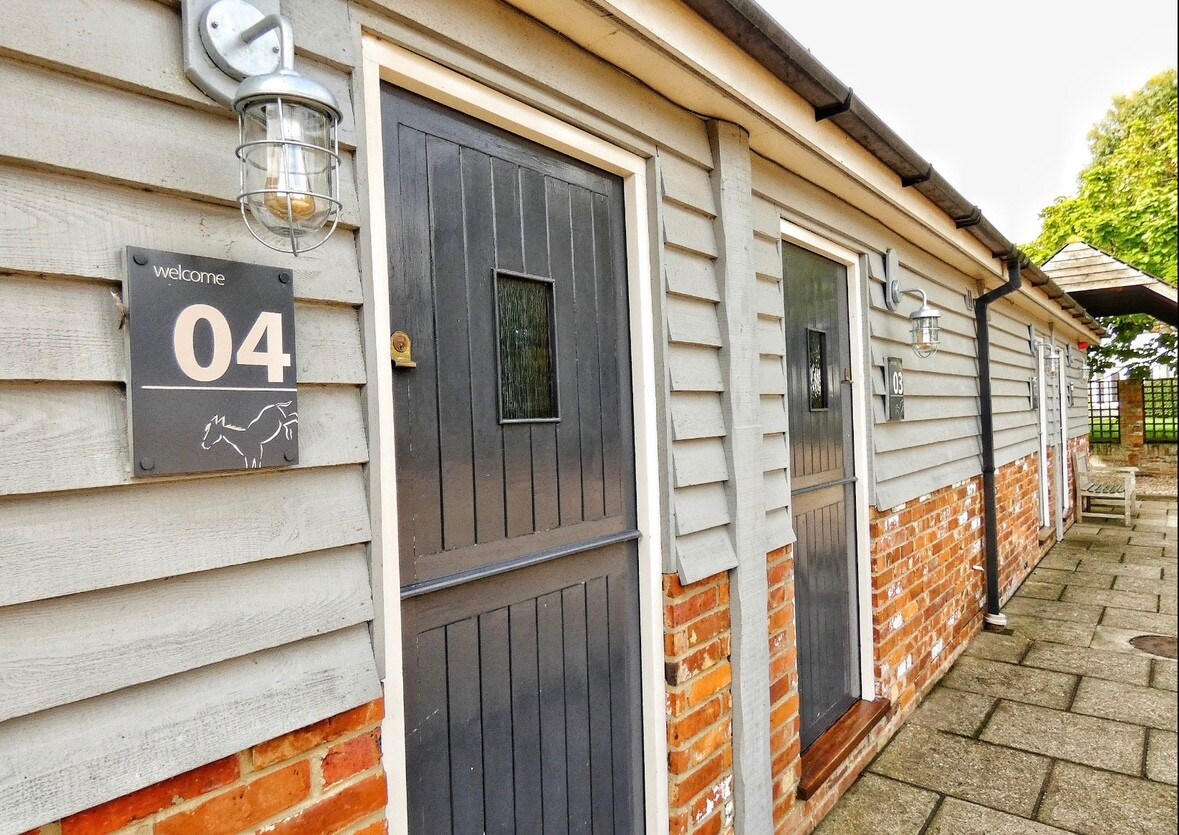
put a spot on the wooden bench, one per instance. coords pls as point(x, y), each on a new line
point(1107, 488)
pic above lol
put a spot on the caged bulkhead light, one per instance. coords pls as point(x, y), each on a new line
point(288, 150)
point(925, 328)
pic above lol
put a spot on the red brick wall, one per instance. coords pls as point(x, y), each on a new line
point(325, 778)
point(1017, 499)
point(927, 594)
point(697, 646)
point(784, 741)
point(927, 602)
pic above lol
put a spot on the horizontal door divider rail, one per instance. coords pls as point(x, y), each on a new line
point(799, 491)
point(527, 561)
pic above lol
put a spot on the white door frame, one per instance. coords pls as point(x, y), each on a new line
point(805, 238)
point(384, 61)
point(1066, 502)
point(1042, 415)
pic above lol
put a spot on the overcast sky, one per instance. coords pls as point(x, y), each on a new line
point(998, 95)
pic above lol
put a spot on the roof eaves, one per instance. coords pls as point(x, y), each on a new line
point(751, 28)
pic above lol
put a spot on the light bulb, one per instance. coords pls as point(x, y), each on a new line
point(288, 168)
point(288, 185)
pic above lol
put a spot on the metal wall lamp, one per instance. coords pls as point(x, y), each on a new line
point(1051, 355)
point(925, 331)
point(288, 151)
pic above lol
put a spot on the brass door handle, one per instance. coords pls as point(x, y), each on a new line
point(401, 350)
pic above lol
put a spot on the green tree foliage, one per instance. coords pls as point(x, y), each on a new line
point(1126, 205)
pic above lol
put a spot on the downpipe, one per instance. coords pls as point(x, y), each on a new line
point(994, 619)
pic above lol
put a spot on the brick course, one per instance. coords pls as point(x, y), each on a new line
point(324, 778)
point(697, 647)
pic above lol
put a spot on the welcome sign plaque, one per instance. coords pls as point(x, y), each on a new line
point(212, 356)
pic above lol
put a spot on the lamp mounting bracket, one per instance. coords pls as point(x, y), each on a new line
point(892, 279)
point(215, 56)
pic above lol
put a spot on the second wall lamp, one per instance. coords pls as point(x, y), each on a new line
point(925, 330)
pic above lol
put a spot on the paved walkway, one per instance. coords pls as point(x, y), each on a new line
point(1059, 727)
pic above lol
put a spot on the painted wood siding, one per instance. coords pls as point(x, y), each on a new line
point(1013, 363)
point(166, 622)
point(1078, 411)
point(938, 442)
point(700, 502)
point(771, 346)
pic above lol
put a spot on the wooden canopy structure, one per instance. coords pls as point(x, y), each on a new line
point(1109, 287)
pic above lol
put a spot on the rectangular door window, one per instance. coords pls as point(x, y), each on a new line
point(527, 348)
point(816, 367)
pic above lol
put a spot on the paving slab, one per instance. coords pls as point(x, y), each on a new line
point(1149, 538)
point(988, 774)
point(1073, 578)
point(1093, 802)
point(878, 806)
point(1073, 612)
point(1161, 757)
point(1147, 706)
point(1085, 661)
point(998, 646)
point(957, 817)
point(1122, 599)
point(1132, 552)
point(1121, 568)
point(1101, 743)
point(957, 711)
point(1041, 591)
point(1064, 562)
point(1044, 629)
point(1107, 534)
point(1168, 604)
point(1008, 681)
point(1145, 622)
point(1143, 584)
point(1165, 675)
point(1117, 640)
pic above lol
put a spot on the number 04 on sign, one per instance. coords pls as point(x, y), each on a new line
point(212, 358)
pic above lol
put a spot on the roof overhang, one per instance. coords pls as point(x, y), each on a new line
point(1154, 299)
point(1108, 286)
point(730, 60)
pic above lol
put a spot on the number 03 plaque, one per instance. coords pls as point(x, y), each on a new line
point(212, 357)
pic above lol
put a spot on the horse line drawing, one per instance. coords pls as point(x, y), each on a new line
point(250, 441)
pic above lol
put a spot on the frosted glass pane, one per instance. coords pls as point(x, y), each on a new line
point(527, 378)
point(816, 367)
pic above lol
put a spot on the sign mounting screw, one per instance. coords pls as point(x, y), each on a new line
point(139, 259)
point(288, 456)
point(147, 463)
point(284, 277)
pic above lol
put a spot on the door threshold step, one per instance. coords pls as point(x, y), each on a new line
point(821, 760)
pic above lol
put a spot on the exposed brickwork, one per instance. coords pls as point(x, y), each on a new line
point(1017, 499)
point(784, 740)
point(928, 599)
point(926, 590)
point(1133, 414)
point(325, 778)
point(697, 645)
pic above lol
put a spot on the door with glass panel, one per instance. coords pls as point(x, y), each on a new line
point(823, 496)
point(515, 480)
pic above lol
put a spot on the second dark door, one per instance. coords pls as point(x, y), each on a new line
point(818, 360)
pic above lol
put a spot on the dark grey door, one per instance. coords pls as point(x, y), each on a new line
point(515, 481)
point(818, 361)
